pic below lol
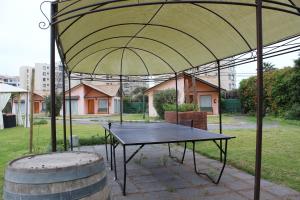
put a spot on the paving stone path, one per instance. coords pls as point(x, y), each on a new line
point(152, 175)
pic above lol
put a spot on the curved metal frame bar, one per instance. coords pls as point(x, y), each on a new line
point(230, 24)
point(128, 48)
point(135, 36)
point(141, 24)
point(174, 2)
point(116, 49)
point(96, 66)
point(223, 66)
point(146, 38)
point(103, 4)
point(138, 55)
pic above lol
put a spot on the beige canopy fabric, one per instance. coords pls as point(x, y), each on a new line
point(145, 37)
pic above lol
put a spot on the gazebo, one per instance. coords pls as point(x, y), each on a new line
point(5, 94)
point(147, 38)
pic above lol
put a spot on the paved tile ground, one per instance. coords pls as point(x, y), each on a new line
point(152, 175)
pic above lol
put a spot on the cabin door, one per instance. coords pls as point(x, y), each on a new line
point(36, 107)
point(91, 107)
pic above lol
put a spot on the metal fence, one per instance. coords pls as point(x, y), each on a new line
point(134, 107)
point(231, 105)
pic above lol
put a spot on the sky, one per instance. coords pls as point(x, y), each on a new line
point(23, 43)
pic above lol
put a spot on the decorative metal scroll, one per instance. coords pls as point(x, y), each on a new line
point(46, 23)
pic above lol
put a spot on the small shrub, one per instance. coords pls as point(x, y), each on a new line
point(40, 122)
point(161, 98)
point(294, 112)
point(94, 140)
point(60, 145)
point(181, 108)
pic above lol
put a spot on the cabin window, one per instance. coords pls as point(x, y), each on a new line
point(103, 106)
point(206, 103)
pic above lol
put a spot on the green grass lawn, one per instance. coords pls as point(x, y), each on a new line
point(280, 157)
point(281, 160)
point(226, 119)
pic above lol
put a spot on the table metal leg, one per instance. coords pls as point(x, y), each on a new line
point(125, 161)
point(224, 152)
point(174, 157)
point(105, 137)
point(114, 157)
point(183, 155)
point(125, 171)
point(111, 152)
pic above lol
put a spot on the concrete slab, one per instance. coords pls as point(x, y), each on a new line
point(152, 175)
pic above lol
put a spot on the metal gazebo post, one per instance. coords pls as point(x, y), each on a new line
point(176, 89)
point(121, 99)
point(220, 108)
point(64, 107)
point(52, 75)
point(259, 94)
point(143, 105)
point(70, 112)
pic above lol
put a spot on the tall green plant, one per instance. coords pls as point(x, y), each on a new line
point(58, 104)
point(163, 97)
point(247, 94)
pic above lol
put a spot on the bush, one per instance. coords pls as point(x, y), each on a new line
point(281, 91)
point(40, 122)
point(94, 140)
point(58, 104)
point(161, 98)
point(294, 112)
point(181, 108)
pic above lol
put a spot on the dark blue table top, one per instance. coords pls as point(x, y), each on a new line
point(133, 133)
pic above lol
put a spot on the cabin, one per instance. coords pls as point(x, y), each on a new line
point(204, 94)
point(88, 98)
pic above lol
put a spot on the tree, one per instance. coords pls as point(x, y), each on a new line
point(161, 98)
point(281, 92)
point(247, 94)
point(297, 62)
point(267, 66)
point(138, 93)
point(58, 104)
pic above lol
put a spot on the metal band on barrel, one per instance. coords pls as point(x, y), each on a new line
point(74, 194)
point(52, 176)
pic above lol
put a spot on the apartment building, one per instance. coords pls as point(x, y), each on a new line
point(41, 77)
point(228, 78)
point(25, 77)
point(10, 80)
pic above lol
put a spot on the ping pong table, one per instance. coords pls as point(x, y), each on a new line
point(143, 133)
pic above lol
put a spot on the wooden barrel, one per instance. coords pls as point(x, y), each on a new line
point(57, 176)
